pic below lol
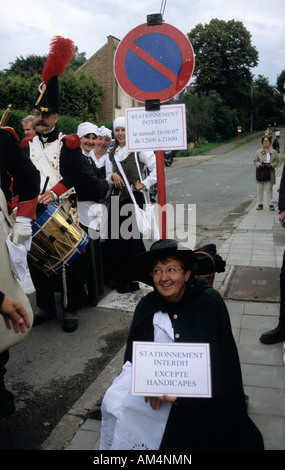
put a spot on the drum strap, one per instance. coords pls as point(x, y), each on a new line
point(64, 287)
point(70, 205)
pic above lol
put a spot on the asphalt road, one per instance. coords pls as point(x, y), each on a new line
point(50, 370)
point(221, 188)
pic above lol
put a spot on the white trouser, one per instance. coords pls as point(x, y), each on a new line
point(264, 188)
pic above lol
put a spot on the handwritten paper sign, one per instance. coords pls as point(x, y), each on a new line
point(174, 369)
point(164, 129)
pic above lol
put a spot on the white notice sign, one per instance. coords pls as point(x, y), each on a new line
point(164, 129)
point(175, 369)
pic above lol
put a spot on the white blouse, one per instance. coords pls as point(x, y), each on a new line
point(148, 158)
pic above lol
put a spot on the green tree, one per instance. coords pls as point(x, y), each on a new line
point(208, 117)
point(18, 91)
point(281, 82)
point(26, 67)
point(224, 56)
point(77, 60)
point(199, 116)
point(80, 96)
point(266, 104)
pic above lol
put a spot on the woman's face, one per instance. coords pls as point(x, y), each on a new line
point(88, 142)
point(120, 135)
point(101, 145)
point(170, 279)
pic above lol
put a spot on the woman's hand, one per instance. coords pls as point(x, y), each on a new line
point(117, 180)
point(139, 186)
point(156, 402)
point(14, 315)
point(265, 164)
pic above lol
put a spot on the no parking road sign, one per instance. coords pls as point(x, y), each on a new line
point(154, 62)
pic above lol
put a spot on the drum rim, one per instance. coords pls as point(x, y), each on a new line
point(41, 221)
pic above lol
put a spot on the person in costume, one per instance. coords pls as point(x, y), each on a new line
point(14, 305)
point(100, 152)
point(181, 308)
point(58, 157)
point(93, 190)
point(100, 155)
point(123, 247)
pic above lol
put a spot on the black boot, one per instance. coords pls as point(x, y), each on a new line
point(70, 321)
point(130, 287)
point(274, 336)
point(44, 315)
point(277, 335)
point(7, 404)
point(95, 413)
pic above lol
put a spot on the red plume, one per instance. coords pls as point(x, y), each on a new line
point(60, 54)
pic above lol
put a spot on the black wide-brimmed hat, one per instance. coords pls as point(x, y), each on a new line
point(60, 54)
point(139, 266)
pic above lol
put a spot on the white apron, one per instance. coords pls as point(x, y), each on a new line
point(128, 423)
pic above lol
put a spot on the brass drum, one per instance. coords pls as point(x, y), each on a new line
point(57, 241)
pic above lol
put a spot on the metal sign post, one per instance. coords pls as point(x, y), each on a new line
point(153, 63)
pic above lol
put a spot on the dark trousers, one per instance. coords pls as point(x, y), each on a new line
point(46, 286)
point(4, 357)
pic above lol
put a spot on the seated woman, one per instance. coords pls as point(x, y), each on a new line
point(183, 309)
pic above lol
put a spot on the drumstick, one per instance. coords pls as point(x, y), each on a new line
point(40, 205)
point(45, 185)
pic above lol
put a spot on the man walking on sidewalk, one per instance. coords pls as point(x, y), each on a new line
point(278, 334)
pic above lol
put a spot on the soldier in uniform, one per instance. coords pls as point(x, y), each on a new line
point(58, 157)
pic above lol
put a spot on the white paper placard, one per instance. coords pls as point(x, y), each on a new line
point(164, 129)
point(174, 369)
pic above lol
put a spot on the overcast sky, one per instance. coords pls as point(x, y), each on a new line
point(27, 27)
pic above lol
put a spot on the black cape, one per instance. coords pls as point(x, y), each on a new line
point(220, 422)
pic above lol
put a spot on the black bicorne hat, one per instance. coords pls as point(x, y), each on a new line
point(47, 97)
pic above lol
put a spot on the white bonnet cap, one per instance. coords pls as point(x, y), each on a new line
point(86, 128)
point(119, 122)
point(102, 131)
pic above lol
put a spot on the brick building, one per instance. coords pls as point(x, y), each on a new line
point(100, 66)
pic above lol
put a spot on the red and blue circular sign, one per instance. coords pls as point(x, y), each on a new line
point(154, 62)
